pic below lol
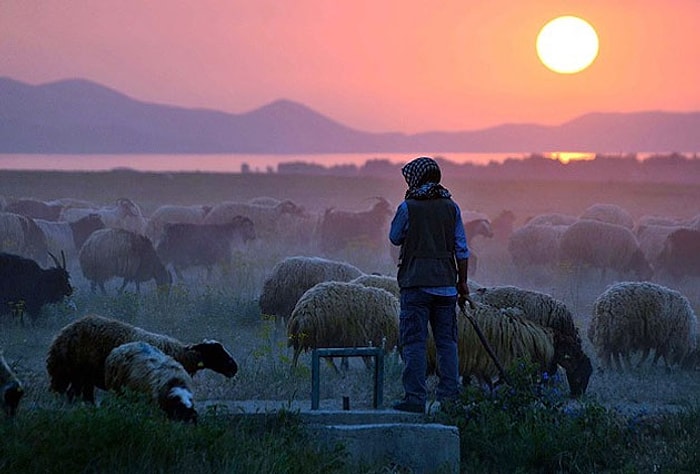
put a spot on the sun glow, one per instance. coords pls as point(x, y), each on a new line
point(567, 156)
point(567, 44)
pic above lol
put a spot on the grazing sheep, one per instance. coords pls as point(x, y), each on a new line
point(69, 237)
point(680, 256)
point(76, 357)
point(268, 220)
point(548, 312)
point(632, 317)
point(26, 288)
point(652, 239)
point(342, 314)
point(384, 282)
point(291, 277)
point(35, 209)
point(110, 253)
point(172, 214)
point(20, 235)
point(604, 246)
point(510, 335)
point(187, 245)
point(339, 229)
point(142, 368)
point(609, 213)
point(125, 214)
point(502, 225)
point(552, 218)
point(11, 390)
point(535, 245)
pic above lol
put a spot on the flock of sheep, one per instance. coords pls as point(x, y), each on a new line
point(327, 302)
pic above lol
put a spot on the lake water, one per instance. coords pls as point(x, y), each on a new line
point(224, 163)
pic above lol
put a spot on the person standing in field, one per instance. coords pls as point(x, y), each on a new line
point(432, 273)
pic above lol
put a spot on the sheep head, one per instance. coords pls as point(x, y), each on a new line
point(213, 355)
point(12, 393)
point(578, 367)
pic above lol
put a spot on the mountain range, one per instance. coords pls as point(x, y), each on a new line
point(78, 116)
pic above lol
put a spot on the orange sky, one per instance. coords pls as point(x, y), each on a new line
point(375, 65)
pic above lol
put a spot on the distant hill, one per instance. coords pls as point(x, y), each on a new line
point(79, 116)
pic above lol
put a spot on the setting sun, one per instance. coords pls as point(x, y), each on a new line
point(567, 44)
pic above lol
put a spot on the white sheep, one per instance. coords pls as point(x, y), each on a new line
point(633, 317)
point(292, 276)
point(604, 246)
point(76, 356)
point(511, 337)
point(552, 218)
point(125, 214)
point(342, 314)
point(610, 213)
point(548, 312)
point(652, 238)
point(11, 390)
point(110, 253)
point(69, 237)
point(21, 236)
point(174, 214)
point(141, 368)
point(535, 245)
point(388, 283)
point(268, 220)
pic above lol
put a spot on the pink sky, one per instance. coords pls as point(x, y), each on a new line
point(375, 65)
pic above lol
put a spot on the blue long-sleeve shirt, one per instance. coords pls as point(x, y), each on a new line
point(399, 229)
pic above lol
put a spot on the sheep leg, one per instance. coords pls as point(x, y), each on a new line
point(644, 357)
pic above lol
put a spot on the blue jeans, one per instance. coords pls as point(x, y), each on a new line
point(418, 309)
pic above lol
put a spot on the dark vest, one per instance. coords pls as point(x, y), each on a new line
point(427, 254)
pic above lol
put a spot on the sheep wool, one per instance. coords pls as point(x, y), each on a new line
point(291, 277)
point(142, 368)
point(342, 314)
point(552, 313)
point(384, 282)
point(633, 317)
point(76, 356)
point(11, 390)
point(511, 337)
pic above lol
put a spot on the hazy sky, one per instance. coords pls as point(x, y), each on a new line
point(375, 65)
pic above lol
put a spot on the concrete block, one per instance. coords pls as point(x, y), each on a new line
point(424, 448)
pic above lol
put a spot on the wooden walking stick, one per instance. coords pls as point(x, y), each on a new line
point(461, 302)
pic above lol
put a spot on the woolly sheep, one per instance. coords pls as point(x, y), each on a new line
point(19, 235)
point(125, 214)
point(342, 314)
point(76, 357)
point(610, 213)
point(552, 218)
point(511, 337)
point(384, 282)
point(267, 219)
point(69, 237)
point(11, 390)
point(174, 214)
point(651, 240)
point(35, 209)
point(548, 312)
point(632, 317)
point(680, 256)
point(340, 228)
point(604, 246)
point(142, 368)
point(535, 244)
point(110, 253)
point(291, 277)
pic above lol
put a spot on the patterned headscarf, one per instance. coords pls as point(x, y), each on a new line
point(423, 177)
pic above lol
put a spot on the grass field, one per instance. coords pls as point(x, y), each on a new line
point(225, 307)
